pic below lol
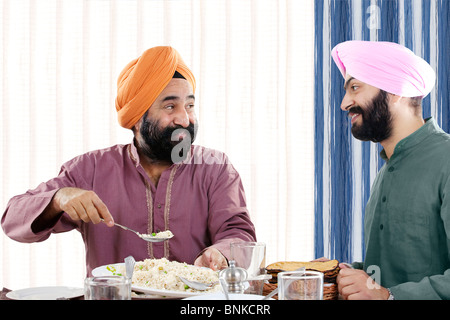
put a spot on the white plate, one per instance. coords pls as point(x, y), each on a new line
point(221, 296)
point(103, 271)
point(45, 293)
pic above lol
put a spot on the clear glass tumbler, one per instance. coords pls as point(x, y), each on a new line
point(300, 285)
point(252, 257)
point(107, 288)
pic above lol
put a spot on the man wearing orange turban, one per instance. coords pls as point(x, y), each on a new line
point(143, 80)
point(149, 185)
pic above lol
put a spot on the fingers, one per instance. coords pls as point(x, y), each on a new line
point(83, 205)
point(347, 274)
point(103, 211)
point(198, 261)
point(211, 258)
point(218, 261)
point(350, 292)
point(321, 259)
point(358, 285)
point(345, 284)
point(345, 265)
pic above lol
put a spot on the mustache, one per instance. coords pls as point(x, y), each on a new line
point(168, 131)
point(158, 144)
point(356, 110)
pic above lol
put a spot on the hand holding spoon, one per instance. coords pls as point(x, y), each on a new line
point(155, 237)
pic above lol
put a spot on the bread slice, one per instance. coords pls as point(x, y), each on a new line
point(329, 268)
point(322, 266)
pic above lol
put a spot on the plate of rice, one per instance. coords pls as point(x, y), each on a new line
point(161, 277)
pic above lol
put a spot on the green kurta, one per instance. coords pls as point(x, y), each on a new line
point(407, 218)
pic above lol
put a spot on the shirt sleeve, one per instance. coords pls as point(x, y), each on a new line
point(229, 219)
point(22, 210)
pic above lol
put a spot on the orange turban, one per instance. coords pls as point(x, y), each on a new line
point(143, 80)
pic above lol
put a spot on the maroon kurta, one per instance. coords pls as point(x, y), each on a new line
point(201, 201)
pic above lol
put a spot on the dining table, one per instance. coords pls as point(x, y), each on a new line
point(268, 288)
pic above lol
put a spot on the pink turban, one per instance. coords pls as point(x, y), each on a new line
point(143, 79)
point(385, 65)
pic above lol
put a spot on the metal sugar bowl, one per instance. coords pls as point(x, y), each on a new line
point(234, 277)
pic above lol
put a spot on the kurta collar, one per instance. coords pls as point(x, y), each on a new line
point(414, 138)
point(134, 156)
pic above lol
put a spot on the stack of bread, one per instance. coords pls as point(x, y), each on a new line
point(330, 270)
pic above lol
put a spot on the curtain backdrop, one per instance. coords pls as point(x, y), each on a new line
point(344, 166)
point(254, 65)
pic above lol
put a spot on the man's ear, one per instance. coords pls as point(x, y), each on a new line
point(395, 98)
point(137, 127)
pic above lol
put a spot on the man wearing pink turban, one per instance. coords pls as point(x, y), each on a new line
point(407, 217)
point(158, 182)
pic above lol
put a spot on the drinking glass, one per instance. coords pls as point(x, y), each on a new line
point(252, 257)
point(107, 288)
point(300, 285)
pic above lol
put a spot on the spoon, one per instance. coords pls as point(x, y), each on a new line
point(198, 285)
point(146, 237)
point(225, 289)
point(205, 286)
point(129, 266)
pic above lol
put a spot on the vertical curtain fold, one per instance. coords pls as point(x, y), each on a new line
point(443, 63)
point(340, 145)
point(319, 249)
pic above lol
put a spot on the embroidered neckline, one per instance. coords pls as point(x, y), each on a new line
point(148, 192)
point(166, 212)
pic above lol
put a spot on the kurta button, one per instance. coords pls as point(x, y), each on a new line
point(159, 205)
point(381, 226)
point(391, 169)
point(383, 199)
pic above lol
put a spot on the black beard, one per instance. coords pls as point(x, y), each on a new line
point(376, 120)
point(158, 142)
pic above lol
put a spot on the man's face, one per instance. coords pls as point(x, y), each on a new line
point(167, 130)
point(368, 108)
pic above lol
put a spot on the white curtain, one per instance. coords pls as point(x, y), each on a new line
point(253, 61)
